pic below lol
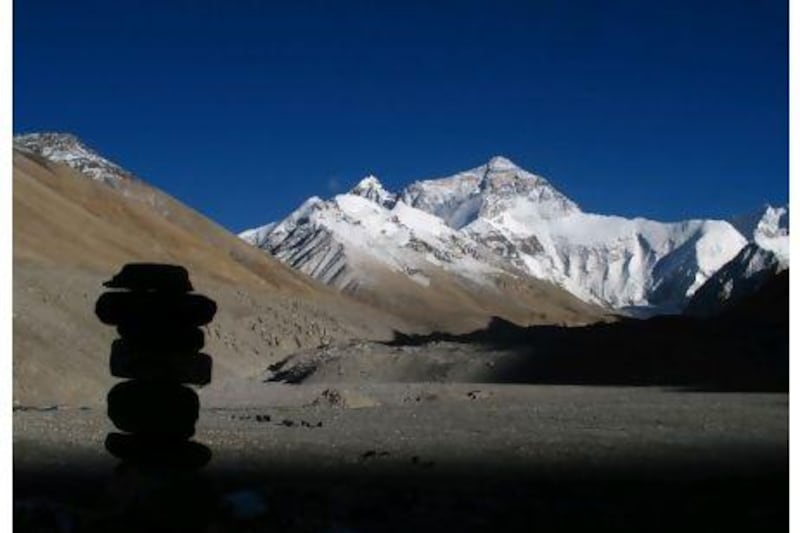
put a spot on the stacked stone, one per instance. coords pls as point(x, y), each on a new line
point(158, 320)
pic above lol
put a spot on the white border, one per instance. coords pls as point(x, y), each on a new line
point(794, 149)
point(6, 289)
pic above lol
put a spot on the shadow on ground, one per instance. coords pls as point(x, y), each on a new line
point(746, 348)
point(301, 497)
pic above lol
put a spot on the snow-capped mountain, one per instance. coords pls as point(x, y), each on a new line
point(485, 192)
point(488, 228)
point(611, 260)
point(371, 189)
point(335, 241)
point(766, 255)
point(495, 218)
point(375, 246)
point(461, 299)
point(739, 278)
point(768, 227)
point(66, 148)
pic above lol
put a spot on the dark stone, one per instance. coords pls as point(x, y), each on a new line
point(151, 277)
point(167, 410)
point(162, 339)
point(186, 367)
point(157, 451)
point(146, 309)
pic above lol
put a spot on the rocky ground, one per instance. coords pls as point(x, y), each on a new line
point(425, 456)
point(61, 349)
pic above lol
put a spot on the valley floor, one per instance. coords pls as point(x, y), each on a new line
point(427, 457)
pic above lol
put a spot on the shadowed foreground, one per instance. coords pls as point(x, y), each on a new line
point(430, 457)
point(745, 348)
point(703, 455)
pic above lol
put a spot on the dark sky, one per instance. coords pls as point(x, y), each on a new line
point(243, 108)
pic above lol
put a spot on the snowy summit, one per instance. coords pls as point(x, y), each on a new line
point(498, 217)
point(68, 149)
point(372, 189)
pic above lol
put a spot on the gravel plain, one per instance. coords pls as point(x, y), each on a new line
point(392, 457)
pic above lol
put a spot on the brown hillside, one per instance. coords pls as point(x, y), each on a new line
point(72, 233)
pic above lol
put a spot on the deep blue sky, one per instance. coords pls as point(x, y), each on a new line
point(244, 108)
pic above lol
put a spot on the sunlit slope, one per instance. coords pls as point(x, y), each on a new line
point(72, 233)
point(64, 218)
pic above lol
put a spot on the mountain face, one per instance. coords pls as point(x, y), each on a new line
point(741, 277)
point(371, 244)
point(325, 240)
point(486, 192)
point(499, 218)
point(765, 256)
point(371, 189)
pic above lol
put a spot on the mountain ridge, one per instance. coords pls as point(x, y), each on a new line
point(628, 264)
point(485, 226)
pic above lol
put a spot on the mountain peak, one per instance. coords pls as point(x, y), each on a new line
point(371, 188)
point(47, 137)
point(369, 181)
point(68, 149)
point(501, 163)
point(767, 219)
point(49, 143)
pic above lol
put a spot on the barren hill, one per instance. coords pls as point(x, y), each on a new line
point(72, 233)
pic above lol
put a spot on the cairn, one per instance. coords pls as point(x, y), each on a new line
point(157, 318)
